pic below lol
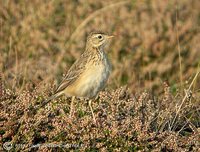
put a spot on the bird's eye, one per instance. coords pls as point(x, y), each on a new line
point(99, 37)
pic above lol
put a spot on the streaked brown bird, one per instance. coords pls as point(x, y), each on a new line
point(89, 74)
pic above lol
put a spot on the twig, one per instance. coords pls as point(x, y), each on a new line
point(179, 50)
point(185, 97)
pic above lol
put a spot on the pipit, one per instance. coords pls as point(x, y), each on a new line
point(88, 75)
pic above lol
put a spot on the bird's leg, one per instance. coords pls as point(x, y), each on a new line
point(90, 101)
point(72, 107)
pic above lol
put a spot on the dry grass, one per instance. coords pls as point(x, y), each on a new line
point(156, 48)
point(125, 122)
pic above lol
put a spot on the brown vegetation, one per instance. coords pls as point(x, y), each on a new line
point(156, 48)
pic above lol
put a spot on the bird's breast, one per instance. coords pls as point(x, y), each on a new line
point(93, 79)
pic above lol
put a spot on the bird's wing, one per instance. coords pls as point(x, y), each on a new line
point(74, 72)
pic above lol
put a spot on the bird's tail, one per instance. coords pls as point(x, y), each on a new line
point(45, 102)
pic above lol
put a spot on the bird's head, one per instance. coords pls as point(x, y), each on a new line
point(98, 39)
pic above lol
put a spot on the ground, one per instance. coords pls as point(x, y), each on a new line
point(151, 101)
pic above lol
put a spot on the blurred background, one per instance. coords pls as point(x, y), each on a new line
point(155, 41)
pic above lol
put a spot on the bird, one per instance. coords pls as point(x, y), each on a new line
point(89, 74)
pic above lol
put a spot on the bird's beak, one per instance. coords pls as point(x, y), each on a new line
point(111, 36)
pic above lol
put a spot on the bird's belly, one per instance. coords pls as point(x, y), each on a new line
point(92, 81)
